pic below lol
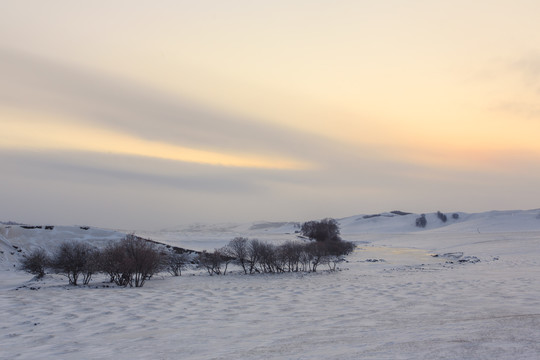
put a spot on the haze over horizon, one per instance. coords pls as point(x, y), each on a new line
point(147, 115)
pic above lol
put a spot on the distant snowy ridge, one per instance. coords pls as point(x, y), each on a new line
point(16, 240)
point(388, 222)
point(491, 221)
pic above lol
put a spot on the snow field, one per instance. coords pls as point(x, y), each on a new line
point(409, 306)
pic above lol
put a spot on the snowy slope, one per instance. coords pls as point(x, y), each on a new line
point(16, 240)
point(355, 228)
point(492, 221)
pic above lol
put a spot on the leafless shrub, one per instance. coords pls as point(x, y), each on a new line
point(35, 263)
point(143, 259)
point(131, 261)
point(214, 262)
point(175, 262)
point(73, 259)
point(115, 262)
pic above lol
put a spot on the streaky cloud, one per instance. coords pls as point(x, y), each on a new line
point(92, 98)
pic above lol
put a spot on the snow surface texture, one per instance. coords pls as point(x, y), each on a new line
point(393, 300)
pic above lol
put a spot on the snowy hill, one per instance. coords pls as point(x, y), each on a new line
point(492, 221)
point(16, 240)
point(390, 222)
point(355, 228)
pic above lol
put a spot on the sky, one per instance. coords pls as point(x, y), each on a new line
point(151, 114)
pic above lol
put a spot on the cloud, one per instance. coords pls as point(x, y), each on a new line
point(97, 100)
point(114, 171)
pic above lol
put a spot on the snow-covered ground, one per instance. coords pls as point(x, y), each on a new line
point(409, 304)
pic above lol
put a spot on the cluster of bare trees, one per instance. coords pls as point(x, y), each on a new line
point(255, 256)
point(131, 261)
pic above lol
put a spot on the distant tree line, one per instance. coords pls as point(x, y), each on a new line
point(422, 221)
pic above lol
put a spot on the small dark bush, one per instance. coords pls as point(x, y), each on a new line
point(442, 216)
point(455, 216)
point(421, 221)
point(35, 263)
point(324, 230)
point(175, 262)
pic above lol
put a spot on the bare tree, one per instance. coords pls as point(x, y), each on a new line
point(255, 250)
point(238, 249)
